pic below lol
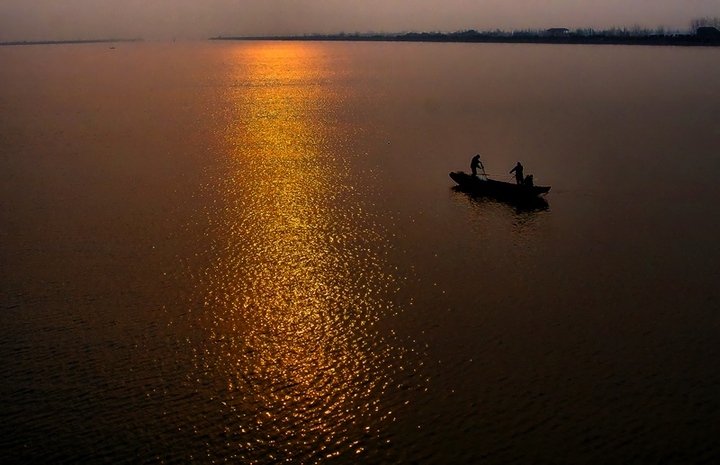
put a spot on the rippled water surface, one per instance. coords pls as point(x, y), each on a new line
point(252, 252)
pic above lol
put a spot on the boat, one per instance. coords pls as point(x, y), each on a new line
point(482, 185)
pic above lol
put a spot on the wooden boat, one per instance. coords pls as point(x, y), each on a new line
point(482, 185)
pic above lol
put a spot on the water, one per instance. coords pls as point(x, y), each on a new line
point(251, 252)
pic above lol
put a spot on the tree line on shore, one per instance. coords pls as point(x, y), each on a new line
point(704, 32)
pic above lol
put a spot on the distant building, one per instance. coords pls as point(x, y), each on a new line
point(558, 31)
point(707, 32)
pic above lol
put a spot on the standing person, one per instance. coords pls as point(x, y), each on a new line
point(475, 164)
point(518, 173)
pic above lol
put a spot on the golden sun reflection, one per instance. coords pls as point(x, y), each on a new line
point(296, 283)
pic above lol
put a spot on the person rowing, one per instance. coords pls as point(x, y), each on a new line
point(518, 170)
point(475, 164)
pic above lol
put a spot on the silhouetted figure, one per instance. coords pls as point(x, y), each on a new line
point(475, 164)
point(529, 181)
point(518, 173)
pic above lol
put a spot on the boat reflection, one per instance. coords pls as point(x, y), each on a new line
point(519, 205)
point(507, 228)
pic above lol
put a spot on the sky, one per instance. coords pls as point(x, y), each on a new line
point(198, 19)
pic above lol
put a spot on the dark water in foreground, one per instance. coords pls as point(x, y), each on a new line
point(251, 252)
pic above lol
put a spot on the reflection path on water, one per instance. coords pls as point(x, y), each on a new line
point(296, 284)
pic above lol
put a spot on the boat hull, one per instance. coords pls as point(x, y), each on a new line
point(497, 189)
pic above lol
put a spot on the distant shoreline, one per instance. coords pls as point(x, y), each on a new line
point(685, 40)
point(682, 40)
point(60, 42)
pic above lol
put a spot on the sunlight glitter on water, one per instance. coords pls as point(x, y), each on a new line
point(296, 283)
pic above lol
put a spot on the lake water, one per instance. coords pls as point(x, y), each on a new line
point(251, 252)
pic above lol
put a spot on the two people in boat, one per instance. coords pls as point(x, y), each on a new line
point(476, 164)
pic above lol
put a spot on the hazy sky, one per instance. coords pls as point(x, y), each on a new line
point(165, 19)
